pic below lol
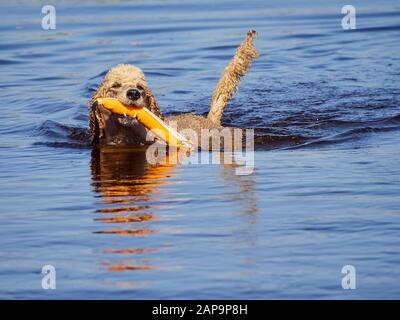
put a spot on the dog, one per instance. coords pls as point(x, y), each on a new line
point(127, 83)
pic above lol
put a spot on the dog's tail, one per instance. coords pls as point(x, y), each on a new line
point(229, 81)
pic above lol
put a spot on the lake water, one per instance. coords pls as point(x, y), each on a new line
point(325, 191)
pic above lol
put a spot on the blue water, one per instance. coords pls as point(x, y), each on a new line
point(325, 191)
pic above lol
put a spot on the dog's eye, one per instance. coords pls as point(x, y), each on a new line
point(116, 85)
point(140, 87)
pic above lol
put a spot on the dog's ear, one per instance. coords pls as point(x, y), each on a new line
point(152, 103)
point(99, 93)
point(93, 124)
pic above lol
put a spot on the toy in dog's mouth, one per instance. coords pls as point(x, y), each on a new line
point(116, 129)
point(118, 123)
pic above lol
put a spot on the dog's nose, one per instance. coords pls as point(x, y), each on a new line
point(133, 94)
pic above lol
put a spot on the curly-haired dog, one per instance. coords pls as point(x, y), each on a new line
point(127, 83)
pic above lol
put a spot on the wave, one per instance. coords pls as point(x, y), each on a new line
point(279, 135)
point(59, 135)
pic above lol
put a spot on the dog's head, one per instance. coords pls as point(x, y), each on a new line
point(127, 84)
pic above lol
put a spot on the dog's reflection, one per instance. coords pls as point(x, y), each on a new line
point(130, 193)
point(128, 189)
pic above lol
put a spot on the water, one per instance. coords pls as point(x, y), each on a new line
point(326, 184)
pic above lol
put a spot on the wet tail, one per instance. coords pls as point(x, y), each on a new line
point(229, 81)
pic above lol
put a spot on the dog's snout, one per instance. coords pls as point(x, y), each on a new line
point(133, 94)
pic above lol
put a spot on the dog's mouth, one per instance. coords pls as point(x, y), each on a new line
point(126, 120)
point(116, 121)
point(103, 115)
point(117, 128)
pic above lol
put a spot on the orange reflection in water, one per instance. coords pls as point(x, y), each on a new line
point(135, 232)
point(129, 192)
point(130, 250)
point(127, 186)
point(127, 267)
point(140, 217)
